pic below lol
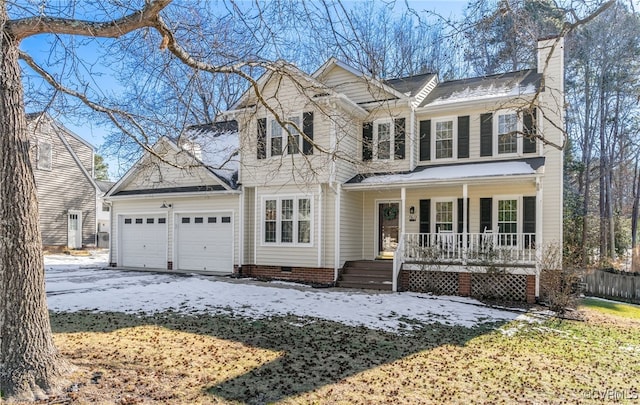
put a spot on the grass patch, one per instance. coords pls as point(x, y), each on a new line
point(612, 308)
point(177, 359)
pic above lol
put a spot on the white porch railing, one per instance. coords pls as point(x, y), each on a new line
point(470, 248)
point(398, 259)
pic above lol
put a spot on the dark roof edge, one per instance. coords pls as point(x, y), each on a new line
point(168, 190)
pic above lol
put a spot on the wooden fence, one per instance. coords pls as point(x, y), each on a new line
point(621, 287)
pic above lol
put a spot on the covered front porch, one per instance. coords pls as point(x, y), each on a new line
point(477, 224)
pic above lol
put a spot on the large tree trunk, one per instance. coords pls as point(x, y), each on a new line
point(30, 366)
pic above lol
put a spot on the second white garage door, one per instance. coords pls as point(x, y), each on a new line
point(205, 242)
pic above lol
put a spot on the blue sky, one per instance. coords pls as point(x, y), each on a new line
point(38, 47)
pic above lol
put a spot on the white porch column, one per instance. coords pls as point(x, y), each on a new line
point(539, 238)
point(403, 198)
point(465, 209)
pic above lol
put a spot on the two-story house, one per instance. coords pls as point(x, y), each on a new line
point(63, 170)
point(405, 184)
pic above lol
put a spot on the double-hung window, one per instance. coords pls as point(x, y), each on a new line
point(507, 133)
point(444, 138)
point(287, 220)
point(444, 216)
point(44, 156)
point(279, 137)
point(384, 140)
point(508, 221)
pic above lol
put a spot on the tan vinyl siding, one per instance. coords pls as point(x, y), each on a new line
point(151, 173)
point(351, 226)
point(354, 87)
point(249, 224)
point(82, 151)
point(289, 254)
point(151, 206)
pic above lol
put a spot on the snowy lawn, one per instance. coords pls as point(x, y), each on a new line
point(145, 338)
point(82, 283)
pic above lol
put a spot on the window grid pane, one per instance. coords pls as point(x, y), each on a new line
point(507, 127)
point(384, 140)
point(444, 216)
point(444, 139)
point(508, 221)
point(294, 139)
point(276, 138)
point(270, 225)
point(304, 220)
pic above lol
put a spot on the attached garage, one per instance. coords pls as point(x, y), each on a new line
point(204, 242)
point(143, 241)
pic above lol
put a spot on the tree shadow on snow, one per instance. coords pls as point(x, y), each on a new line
point(315, 352)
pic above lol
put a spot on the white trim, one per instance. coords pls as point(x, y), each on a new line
point(320, 225)
point(494, 209)
point(376, 210)
point(454, 138)
point(174, 245)
point(120, 221)
point(241, 229)
point(425, 183)
point(278, 198)
point(161, 196)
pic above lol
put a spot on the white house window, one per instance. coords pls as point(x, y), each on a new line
point(294, 139)
point(383, 137)
point(444, 216)
point(44, 156)
point(508, 221)
point(275, 138)
point(287, 220)
point(444, 139)
point(507, 133)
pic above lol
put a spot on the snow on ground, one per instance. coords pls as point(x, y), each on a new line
point(84, 283)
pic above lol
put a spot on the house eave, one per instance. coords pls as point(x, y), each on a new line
point(148, 196)
point(439, 182)
point(494, 103)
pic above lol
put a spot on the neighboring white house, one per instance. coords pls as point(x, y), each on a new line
point(448, 179)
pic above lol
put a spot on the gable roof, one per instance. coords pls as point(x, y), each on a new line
point(226, 184)
point(62, 131)
point(478, 88)
point(333, 62)
point(217, 146)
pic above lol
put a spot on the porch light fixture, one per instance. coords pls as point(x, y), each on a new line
point(165, 205)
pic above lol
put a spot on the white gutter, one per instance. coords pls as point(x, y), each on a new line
point(420, 183)
point(172, 195)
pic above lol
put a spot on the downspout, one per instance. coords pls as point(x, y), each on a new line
point(241, 232)
point(539, 235)
point(320, 225)
point(337, 192)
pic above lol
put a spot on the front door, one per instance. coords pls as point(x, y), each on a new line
point(74, 229)
point(388, 228)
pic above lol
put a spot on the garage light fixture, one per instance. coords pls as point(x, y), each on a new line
point(165, 205)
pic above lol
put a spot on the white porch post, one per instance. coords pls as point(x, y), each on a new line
point(403, 198)
point(539, 238)
point(465, 209)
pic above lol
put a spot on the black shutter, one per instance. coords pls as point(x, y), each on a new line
point(262, 138)
point(529, 220)
point(399, 136)
point(425, 140)
point(463, 137)
point(367, 141)
point(307, 128)
point(486, 209)
point(486, 134)
point(529, 129)
point(460, 217)
point(425, 216)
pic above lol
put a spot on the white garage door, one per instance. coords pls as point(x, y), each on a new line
point(205, 242)
point(144, 241)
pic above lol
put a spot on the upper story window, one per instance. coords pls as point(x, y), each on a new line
point(445, 138)
point(383, 140)
point(287, 220)
point(507, 133)
point(44, 156)
point(275, 140)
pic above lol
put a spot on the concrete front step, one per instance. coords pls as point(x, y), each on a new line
point(377, 278)
point(369, 264)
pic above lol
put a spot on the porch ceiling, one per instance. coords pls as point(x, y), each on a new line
point(450, 173)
